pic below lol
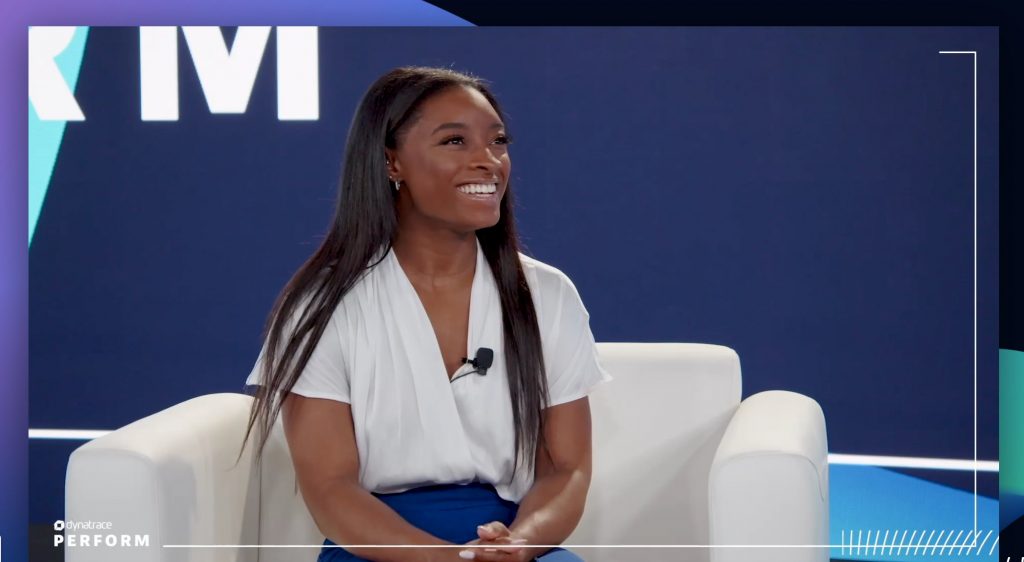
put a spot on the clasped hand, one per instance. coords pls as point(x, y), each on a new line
point(496, 544)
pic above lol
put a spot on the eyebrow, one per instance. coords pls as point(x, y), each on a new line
point(497, 125)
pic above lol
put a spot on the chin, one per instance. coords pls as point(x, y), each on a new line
point(472, 216)
point(477, 223)
point(489, 221)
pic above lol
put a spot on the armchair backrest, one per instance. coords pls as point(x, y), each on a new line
point(655, 429)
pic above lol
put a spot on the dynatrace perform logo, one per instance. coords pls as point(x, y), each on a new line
point(94, 534)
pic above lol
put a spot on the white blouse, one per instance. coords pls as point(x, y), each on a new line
point(413, 427)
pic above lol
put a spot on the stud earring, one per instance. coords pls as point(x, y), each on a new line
point(396, 183)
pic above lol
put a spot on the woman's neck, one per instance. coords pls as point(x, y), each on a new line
point(433, 255)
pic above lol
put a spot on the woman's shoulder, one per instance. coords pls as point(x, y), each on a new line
point(358, 299)
point(544, 273)
point(547, 280)
point(555, 298)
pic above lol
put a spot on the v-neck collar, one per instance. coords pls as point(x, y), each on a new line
point(435, 405)
point(475, 311)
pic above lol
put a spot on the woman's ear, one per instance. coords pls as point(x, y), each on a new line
point(391, 163)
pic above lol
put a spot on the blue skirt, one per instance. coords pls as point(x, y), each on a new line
point(450, 512)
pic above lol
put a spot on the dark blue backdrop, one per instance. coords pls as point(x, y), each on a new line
point(803, 196)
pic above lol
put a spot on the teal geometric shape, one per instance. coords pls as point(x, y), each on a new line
point(1011, 421)
point(1011, 435)
point(44, 137)
point(873, 506)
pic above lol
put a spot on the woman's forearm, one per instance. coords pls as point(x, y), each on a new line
point(552, 508)
point(348, 514)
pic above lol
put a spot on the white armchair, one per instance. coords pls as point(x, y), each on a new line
point(678, 460)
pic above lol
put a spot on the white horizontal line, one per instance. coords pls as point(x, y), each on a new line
point(833, 458)
point(462, 546)
point(958, 52)
point(72, 434)
point(914, 462)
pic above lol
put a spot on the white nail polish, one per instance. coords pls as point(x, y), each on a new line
point(467, 554)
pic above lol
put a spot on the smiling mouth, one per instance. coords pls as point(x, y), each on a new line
point(478, 190)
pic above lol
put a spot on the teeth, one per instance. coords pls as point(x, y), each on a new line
point(478, 188)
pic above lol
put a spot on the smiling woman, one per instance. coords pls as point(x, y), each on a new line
point(368, 347)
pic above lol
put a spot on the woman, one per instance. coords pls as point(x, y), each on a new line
point(399, 430)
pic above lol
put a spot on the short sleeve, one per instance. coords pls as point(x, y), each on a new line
point(325, 375)
point(573, 367)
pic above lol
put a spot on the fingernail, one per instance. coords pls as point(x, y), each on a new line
point(481, 528)
point(519, 541)
point(467, 554)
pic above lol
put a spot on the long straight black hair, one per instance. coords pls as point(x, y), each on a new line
point(364, 224)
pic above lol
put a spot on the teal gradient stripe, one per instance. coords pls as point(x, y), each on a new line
point(44, 137)
point(1011, 435)
point(870, 499)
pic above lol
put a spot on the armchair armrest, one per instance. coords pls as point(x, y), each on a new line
point(170, 477)
point(769, 481)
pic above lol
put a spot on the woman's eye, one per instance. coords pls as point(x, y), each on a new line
point(501, 139)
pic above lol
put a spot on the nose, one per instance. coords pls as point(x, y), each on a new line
point(486, 160)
